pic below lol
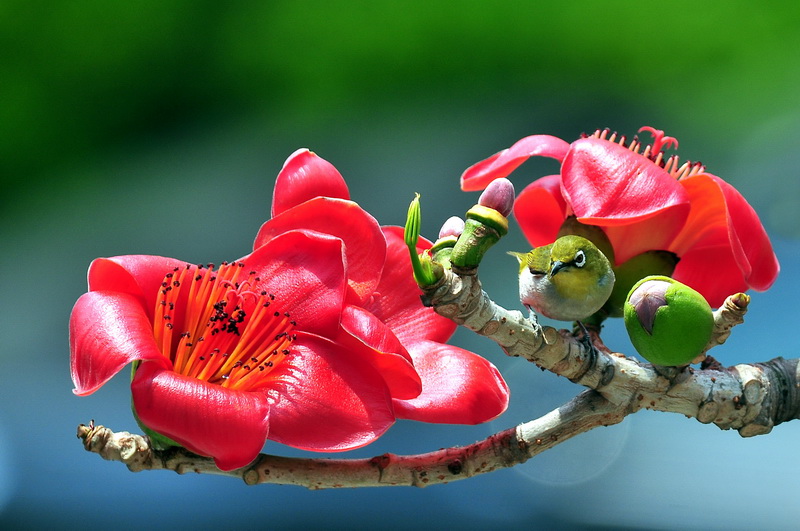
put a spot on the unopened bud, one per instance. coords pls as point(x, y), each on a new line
point(499, 195)
point(454, 226)
point(668, 322)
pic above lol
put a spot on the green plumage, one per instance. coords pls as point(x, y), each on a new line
point(567, 280)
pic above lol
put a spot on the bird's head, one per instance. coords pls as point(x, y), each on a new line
point(577, 265)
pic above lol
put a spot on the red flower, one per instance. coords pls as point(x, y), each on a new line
point(289, 343)
point(458, 386)
point(643, 201)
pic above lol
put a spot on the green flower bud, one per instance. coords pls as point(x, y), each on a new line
point(426, 271)
point(669, 323)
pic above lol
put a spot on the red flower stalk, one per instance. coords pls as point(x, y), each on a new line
point(312, 340)
point(643, 201)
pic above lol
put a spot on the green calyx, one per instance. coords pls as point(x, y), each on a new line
point(483, 228)
point(490, 217)
point(442, 249)
point(629, 273)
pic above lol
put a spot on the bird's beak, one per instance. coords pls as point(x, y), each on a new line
point(556, 267)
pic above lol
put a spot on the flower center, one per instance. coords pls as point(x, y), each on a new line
point(215, 326)
point(653, 152)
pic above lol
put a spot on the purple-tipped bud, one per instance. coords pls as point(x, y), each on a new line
point(499, 195)
point(454, 226)
point(647, 299)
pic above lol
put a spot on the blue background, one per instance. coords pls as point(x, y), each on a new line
point(159, 128)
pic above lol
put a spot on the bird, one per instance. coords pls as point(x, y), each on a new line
point(568, 280)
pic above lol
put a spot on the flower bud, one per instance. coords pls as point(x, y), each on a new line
point(454, 226)
point(499, 195)
point(669, 323)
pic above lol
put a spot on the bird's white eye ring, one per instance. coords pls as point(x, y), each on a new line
point(580, 259)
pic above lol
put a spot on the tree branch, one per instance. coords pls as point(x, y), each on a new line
point(501, 450)
point(751, 398)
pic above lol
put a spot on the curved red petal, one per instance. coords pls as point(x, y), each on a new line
point(607, 184)
point(721, 217)
point(108, 330)
point(708, 224)
point(753, 239)
point(305, 176)
point(540, 210)
point(325, 399)
point(396, 300)
point(208, 419)
point(501, 164)
point(712, 272)
point(138, 275)
point(458, 387)
point(365, 335)
point(305, 271)
point(360, 232)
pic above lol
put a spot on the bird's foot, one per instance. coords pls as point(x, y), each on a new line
point(532, 316)
point(587, 340)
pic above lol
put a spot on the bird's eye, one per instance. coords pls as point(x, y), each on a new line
point(580, 259)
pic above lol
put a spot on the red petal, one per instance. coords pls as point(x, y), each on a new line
point(208, 419)
point(362, 236)
point(607, 184)
point(708, 222)
point(753, 240)
point(138, 275)
point(651, 234)
point(108, 330)
point(325, 399)
point(458, 387)
point(305, 176)
point(306, 273)
point(540, 210)
point(397, 302)
point(367, 336)
point(501, 164)
point(721, 221)
point(711, 271)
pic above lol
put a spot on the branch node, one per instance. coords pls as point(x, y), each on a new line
point(707, 412)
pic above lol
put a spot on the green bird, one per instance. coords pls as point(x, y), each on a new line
point(568, 280)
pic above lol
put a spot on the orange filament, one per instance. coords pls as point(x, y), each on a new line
point(213, 326)
point(654, 152)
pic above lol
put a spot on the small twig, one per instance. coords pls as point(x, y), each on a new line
point(501, 450)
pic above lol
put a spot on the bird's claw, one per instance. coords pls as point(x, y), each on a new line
point(586, 340)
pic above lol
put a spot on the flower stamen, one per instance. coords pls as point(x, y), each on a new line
point(221, 330)
point(654, 151)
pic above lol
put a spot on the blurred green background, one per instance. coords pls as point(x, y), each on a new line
point(158, 128)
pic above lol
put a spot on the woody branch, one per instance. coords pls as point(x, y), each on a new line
point(501, 450)
point(751, 398)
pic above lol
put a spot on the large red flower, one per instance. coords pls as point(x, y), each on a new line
point(458, 386)
point(310, 340)
point(643, 201)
